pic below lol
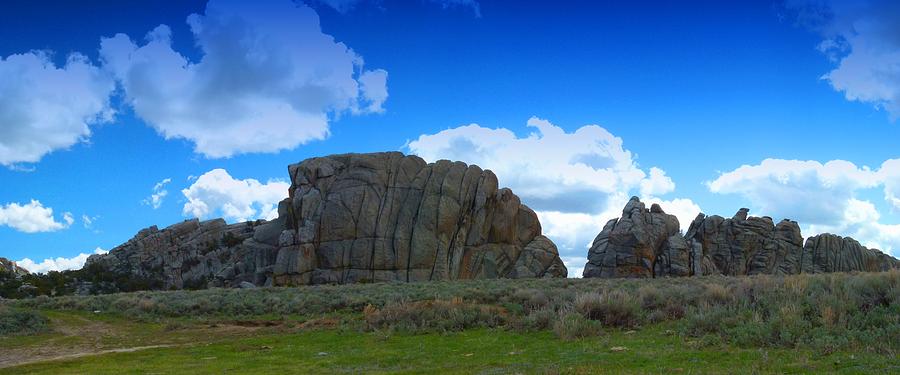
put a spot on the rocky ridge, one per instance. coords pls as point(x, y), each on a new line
point(354, 218)
point(648, 243)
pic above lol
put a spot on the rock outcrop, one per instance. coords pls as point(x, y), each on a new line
point(630, 246)
point(648, 243)
point(10, 268)
point(185, 255)
point(746, 245)
point(832, 253)
point(355, 218)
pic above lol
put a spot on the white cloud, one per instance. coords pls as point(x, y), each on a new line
point(217, 193)
point(159, 193)
point(863, 37)
point(32, 217)
point(806, 191)
point(821, 197)
point(57, 264)
point(574, 181)
point(268, 78)
point(44, 108)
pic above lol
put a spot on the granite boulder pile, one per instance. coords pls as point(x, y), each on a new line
point(649, 243)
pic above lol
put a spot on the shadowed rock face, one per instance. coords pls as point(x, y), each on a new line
point(648, 243)
point(356, 218)
point(9, 267)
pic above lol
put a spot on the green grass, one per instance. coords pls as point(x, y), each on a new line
point(649, 350)
point(846, 323)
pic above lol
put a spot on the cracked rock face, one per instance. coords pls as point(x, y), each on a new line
point(392, 217)
point(629, 246)
point(356, 218)
point(648, 243)
point(747, 245)
point(832, 253)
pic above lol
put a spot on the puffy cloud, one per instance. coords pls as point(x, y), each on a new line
point(268, 78)
point(822, 197)
point(57, 264)
point(32, 217)
point(806, 191)
point(44, 108)
point(575, 181)
point(553, 169)
point(216, 192)
point(159, 193)
point(863, 37)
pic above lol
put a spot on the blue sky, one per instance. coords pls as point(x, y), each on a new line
point(787, 108)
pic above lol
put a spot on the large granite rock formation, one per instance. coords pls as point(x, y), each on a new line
point(746, 245)
point(831, 253)
point(10, 268)
point(648, 243)
point(355, 218)
point(630, 246)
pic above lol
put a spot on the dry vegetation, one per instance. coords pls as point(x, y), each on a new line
point(823, 312)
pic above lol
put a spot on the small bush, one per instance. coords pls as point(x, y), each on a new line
point(613, 308)
point(571, 326)
point(21, 322)
point(440, 315)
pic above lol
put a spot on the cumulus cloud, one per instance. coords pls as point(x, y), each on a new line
point(217, 193)
point(159, 193)
point(57, 264)
point(575, 181)
point(863, 38)
point(33, 217)
point(44, 107)
point(268, 78)
point(822, 197)
point(806, 191)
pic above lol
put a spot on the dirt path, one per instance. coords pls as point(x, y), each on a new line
point(39, 359)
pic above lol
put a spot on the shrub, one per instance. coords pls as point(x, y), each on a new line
point(21, 322)
point(440, 315)
point(613, 308)
point(571, 326)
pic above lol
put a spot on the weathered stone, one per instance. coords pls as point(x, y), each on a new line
point(747, 245)
point(629, 247)
point(742, 245)
point(832, 253)
point(354, 218)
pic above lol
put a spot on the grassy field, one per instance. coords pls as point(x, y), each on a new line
point(847, 323)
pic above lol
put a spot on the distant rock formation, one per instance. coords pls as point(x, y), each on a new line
point(10, 268)
point(354, 218)
point(648, 243)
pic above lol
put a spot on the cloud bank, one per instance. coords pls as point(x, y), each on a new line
point(824, 197)
point(57, 264)
point(268, 78)
point(217, 193)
